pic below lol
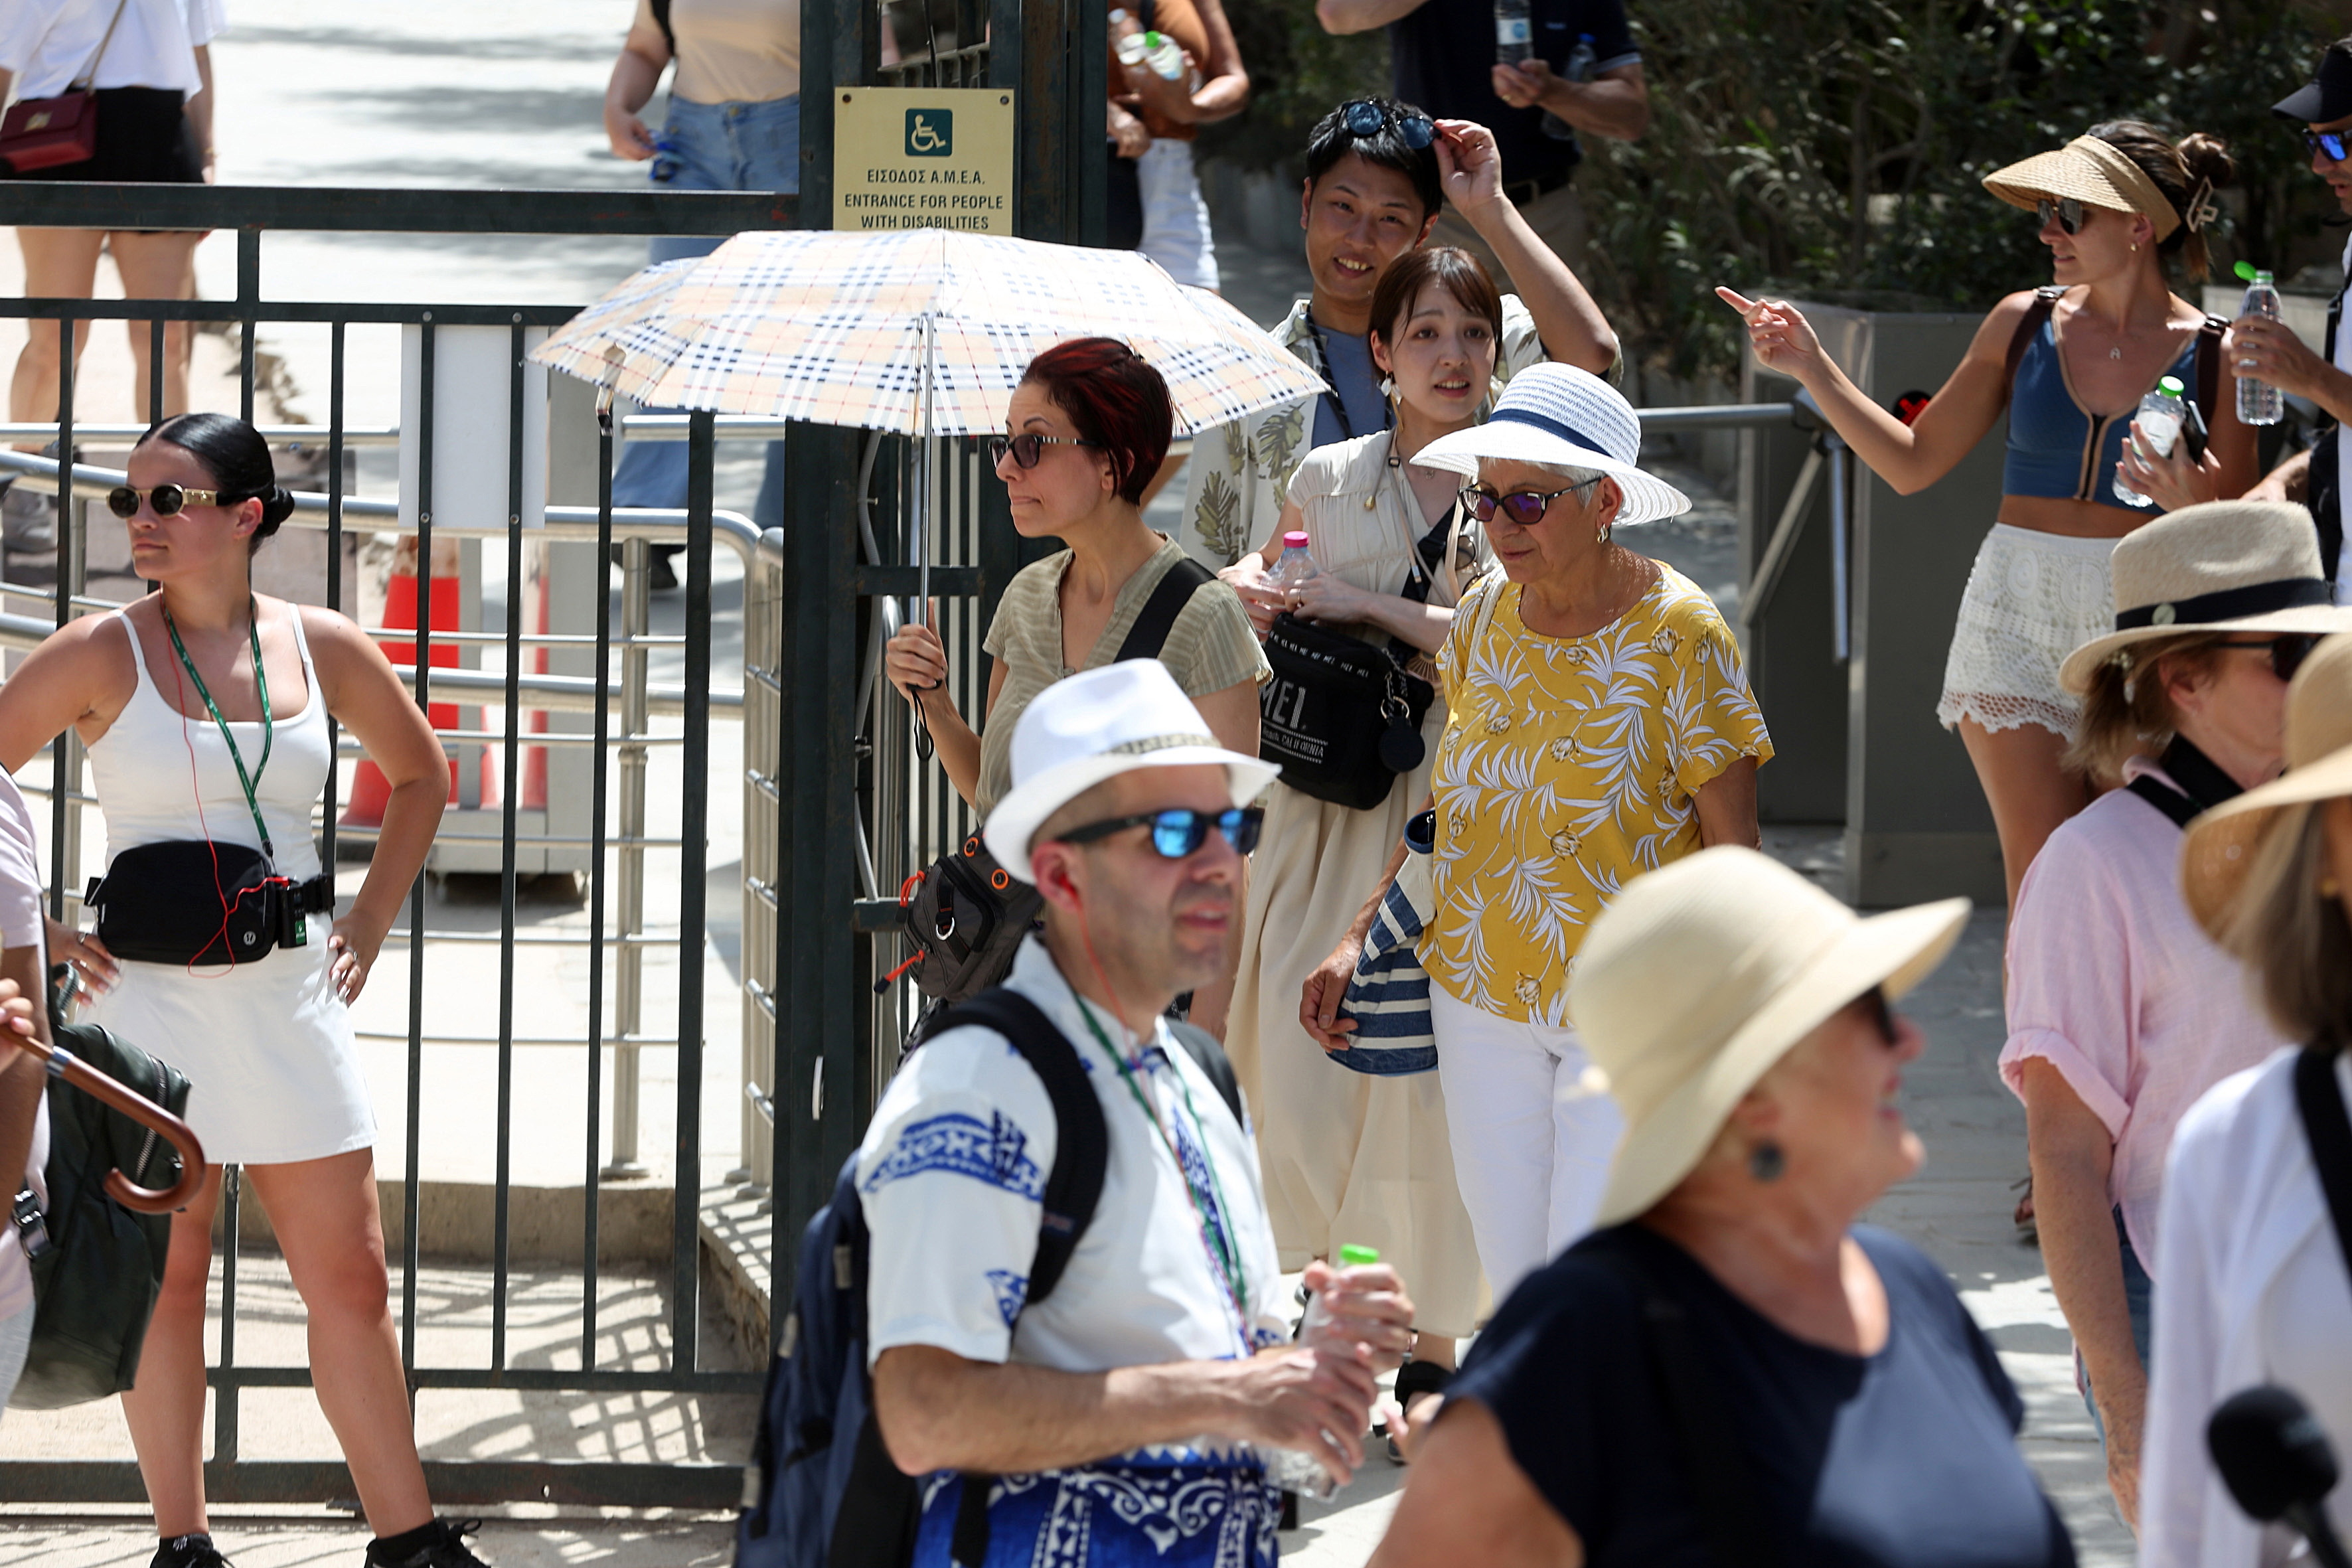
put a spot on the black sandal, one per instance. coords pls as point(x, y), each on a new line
point(1415, 1379)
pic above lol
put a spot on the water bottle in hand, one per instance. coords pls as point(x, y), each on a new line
point(2259, 402)
point(2159, 417)
point(1294, 565)
point(1295, 1469)
point(1514, 35)
point(1581, 61)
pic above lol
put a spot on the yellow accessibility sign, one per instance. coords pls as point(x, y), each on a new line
point(906, 157)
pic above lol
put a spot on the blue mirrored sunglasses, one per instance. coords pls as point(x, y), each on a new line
point(2335, 143)
point(1181, 832)
point(1362, 117)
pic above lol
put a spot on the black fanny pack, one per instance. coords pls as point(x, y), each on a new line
point(190, 902)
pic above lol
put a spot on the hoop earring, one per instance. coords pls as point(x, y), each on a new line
point(1767, 1161)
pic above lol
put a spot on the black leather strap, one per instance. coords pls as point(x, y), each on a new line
point(1158, 618)
point(2023, 338)
point(1206, 1052)
point(2321, 1104)
point(1714, 1465)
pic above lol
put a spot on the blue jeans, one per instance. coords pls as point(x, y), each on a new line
point(713, 147)
point(2139, 1291)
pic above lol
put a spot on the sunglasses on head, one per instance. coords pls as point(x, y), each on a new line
point(2336, 144)
point(1525, 508)
point(167, 499)
point(1362, 117)
point(2288, 651)
point(1181, 832)
point(1027, 449)
point(2069, 213)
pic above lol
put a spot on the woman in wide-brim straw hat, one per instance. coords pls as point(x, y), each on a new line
point(1598, 725)
point(2070, 363)
point(1828, 1372)
point(2121, 1010)
point(2253, 1280)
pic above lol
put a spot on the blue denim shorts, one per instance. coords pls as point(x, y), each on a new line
point(725, 147)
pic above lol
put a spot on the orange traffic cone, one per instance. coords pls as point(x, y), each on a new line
point(370, 789)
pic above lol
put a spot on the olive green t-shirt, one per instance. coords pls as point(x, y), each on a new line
point(1211, 646)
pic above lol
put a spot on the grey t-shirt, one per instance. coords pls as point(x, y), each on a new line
point(1349, 359)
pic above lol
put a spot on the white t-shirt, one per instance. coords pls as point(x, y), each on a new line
point(49, 43)
point(20, 926)
point(952, 1174)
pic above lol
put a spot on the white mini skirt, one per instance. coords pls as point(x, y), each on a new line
point(2033, 598)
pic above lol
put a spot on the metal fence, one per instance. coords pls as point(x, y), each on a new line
point(617, 843)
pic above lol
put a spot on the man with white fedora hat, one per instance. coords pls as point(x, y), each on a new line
point(1131, 1410)
point(2121, 1011)
point(1733, 1369)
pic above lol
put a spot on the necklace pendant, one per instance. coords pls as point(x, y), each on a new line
point(2116, 353)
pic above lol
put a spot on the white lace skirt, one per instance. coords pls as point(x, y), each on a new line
point(2033, 598)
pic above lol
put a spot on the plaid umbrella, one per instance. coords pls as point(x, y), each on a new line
point(853, 329)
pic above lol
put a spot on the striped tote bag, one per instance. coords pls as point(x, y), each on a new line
point(1389, 994)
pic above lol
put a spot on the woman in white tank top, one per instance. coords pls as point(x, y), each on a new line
point(169, 697)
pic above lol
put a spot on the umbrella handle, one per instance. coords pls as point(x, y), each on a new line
point(146, 1112)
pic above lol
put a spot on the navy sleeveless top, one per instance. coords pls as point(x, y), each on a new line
point(2056, 447)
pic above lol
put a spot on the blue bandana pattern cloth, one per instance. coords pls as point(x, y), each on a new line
point(1164, 1508)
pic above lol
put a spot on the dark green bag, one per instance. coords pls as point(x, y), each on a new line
point(96, 1279)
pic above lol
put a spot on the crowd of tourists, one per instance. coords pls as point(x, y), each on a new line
point(1622, 1085)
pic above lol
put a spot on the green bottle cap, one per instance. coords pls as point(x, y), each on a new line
point(1351, 1255)
point(2245, 271)
point(2170, 386)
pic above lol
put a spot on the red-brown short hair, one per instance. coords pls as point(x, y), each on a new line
point(1117, 401)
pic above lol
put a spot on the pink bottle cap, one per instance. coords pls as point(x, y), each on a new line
point(1294, 541)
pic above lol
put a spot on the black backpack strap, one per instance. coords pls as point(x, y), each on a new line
point(1717, 1470)
point(2166, 799)
point(1210, 1056)
point(2208, 365)
point(2321, 1104)
point(1081, 1141)
point(661, 20)
point(1158, 618)
point(2044, 298)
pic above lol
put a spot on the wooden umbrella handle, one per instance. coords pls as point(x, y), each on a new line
point(145, 1112)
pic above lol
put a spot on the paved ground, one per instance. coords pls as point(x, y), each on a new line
point(307, 101)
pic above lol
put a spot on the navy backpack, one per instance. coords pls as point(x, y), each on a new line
point(821, 1491)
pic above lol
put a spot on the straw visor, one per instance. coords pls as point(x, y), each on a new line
point(2221, 566)
point(2089, 170)
point(2220, 844)
point(1702, 975)
point(1570, 418)
point(1096, 724)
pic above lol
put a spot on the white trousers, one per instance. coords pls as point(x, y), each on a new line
point(1175, 217)
point(1531, 1143)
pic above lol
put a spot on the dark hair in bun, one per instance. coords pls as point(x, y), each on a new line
point(234, 453)
point(2187, 172)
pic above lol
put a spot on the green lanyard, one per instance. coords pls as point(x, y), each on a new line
point(268, 732)
point(1222, 1248)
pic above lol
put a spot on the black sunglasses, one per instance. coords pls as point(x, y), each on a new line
point(1181, 832)
point(1027, 449)
point(1362, 117)
point(2069, 211)
point(2335, 143)
point(1525, 508)
point(2287, 652)
point(1882, 1014)
point(167, 499)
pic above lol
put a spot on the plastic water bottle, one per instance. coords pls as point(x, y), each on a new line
point(1294, 565)
point(1295, 1469)
point(1581, 61)
point(1514, 35)
point(1164, 55)
point(2259, 402)
point(2161, 413)
point(1127, 41)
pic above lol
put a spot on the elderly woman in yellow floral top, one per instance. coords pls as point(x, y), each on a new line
point(1600, 726)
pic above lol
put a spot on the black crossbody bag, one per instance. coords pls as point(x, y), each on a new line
point(2320, 1103)
point(190, 902)
point(1342, 716)
point(966, 915)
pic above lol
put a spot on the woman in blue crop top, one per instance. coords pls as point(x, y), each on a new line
point(2116, 206)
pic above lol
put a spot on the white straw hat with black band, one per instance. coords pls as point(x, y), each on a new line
point(1570, 418)
point(1095, 725)
point(2221, 566)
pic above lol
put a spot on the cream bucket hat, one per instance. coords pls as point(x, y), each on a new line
point(2222, 566)
point(1701, 975)
point(2220, 844)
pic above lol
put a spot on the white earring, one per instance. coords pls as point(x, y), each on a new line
point(1388, 387)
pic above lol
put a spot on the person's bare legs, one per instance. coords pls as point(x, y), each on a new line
point(2028, 788)
point(328, 1226)
point(166, 1409)
point(59, 263)
point(156, 267)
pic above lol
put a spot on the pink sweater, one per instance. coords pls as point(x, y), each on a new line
point(2114, 985)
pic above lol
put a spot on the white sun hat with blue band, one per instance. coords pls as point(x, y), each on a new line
point(1570, 418)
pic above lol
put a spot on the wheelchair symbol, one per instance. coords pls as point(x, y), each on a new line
point(931, 132)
